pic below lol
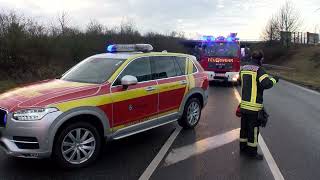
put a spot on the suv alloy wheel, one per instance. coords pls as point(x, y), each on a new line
point(77, 145)
point(191, 114)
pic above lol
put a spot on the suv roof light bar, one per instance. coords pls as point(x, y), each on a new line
point(129, 48)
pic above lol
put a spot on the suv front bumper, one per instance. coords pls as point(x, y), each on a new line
point(28, 139)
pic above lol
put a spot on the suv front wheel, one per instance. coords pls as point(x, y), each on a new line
point(77, 145)
point(191, 114)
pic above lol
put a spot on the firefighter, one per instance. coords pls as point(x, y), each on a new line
point(254, 81)
point(247, 54)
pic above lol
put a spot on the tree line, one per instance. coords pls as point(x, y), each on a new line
point(30, 50)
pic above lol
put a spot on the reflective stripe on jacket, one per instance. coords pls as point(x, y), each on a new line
point(254, 80)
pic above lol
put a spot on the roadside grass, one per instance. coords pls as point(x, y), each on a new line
point(6, 85)
point(309, 80)
point(306, 65)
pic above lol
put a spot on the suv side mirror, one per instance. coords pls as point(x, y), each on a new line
point(128, 80)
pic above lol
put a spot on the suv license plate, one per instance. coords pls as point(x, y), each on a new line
point(219, 74)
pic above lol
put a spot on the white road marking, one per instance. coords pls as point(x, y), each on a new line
point(163, 151)
point(236, 93)
point(272, 164)
point(268, 157)
point(185, 152)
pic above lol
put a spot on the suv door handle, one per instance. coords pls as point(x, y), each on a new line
point(183, 82)
point(150, 88)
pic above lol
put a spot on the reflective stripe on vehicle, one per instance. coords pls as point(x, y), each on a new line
point(144, 119)
point(117, 96)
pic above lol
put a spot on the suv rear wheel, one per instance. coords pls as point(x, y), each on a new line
point(191, 114)
point(77, 145)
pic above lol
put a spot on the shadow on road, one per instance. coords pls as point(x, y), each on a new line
point(221, 84)
point(122, 159)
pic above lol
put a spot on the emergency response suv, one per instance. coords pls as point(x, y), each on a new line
point(105, 97)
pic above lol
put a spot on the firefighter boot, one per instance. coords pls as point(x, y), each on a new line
point(253, 153)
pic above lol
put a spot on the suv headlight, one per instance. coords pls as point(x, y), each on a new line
point(32, 114)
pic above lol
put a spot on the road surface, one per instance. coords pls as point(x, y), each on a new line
point(211, 150)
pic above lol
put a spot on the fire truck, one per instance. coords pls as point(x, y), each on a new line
point(220, 57)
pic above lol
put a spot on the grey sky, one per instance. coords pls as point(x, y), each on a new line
point(194, 17)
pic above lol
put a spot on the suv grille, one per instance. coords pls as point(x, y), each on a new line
point(3, 118)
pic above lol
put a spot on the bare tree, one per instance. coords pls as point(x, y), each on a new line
point(128, 26)
point(286, 19)
point(289, 19)
point(33, 28)
point(63, 21)
point(271, 31)
point(94, 27)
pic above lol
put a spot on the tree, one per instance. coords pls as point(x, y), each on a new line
point(63, 21)
point(287, 19)
point(95, 28)
point(271, 31)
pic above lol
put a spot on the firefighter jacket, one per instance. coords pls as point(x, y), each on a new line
point(254, 81)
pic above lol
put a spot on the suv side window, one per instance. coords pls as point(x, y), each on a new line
point(140, 68)
point(181, 61)
point(177, 68)
point(194, 68)
point(163, 67)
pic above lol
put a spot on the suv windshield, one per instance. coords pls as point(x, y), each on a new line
point(93, 70)
point(221, 49)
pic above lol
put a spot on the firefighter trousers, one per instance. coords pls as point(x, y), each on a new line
point(249, 133)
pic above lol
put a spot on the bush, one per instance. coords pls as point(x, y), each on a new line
point(30, 51)
point(272, 52)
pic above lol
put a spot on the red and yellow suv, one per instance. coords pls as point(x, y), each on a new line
point(106, 96)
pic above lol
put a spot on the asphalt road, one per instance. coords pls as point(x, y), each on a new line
point(292, 136)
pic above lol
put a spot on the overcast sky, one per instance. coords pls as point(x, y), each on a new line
point(194, 17)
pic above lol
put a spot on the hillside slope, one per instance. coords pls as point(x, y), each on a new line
point(306, 66)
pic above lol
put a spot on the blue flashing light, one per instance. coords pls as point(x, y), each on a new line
point(221, 38)
point(5, 119)
point(129, 48)
point(111, 48)
point(208, 38)
point(229, 39)
point(233, 35)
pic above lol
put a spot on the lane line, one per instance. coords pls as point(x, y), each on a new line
point(271, 162)
point(236, 93)
point(163, 151)
point(265, 150)
point(185, 152)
